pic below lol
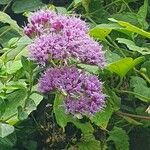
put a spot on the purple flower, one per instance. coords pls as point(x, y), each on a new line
point(60, 37)
point(83, 92)
point(38, 21)
point(45, 21)
point(59, 46)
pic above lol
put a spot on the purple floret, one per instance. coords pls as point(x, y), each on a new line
point(60, 37)
point(38, 22)
point(61, 47)
point(83, 92)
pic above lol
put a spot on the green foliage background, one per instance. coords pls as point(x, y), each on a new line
point(31, 121)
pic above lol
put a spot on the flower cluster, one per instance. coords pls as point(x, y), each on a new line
point(84, 91)
point(61, 38)
point(46, 21)
point(58, 39)
point(55, 46)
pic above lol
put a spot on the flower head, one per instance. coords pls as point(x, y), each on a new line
point(59, 46)
point(45, 21)
point(83, 91)
point(61, 37)
point(38, 21)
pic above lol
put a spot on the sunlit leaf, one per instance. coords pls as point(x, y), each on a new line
point(12, 67)
point(122, 66)
point(101, 31)
point(131, 28)
point(101, 119)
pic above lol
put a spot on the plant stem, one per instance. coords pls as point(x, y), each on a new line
point(5, 8)
point(147, 99)
point(13, 115)
point(119, 113)
point(127, 5)
point(116, 46)
point(120, 82)
point(70, 6)
point(30, 88)
point(114, 2)
point(143, 75)
point(90, 19)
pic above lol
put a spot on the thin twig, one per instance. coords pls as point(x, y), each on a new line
point(119, 113)
point(7, 6)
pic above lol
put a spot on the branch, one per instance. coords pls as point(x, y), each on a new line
point(119, 113)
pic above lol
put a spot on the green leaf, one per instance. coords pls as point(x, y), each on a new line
point(7, 33)
point(97, 12)
point(37, 98)
point(30, 145)
point(101, 119)
point(132, 46)
point(122, 66)
point(131, 28)
point(141, 91)
point(141, 15)
point(130, 17)
point(26, 5)
point(2, 107)
point(89, 145)
point(146, 65)
point(77, 2)
point(61, 10)
point(86, 128)
point(8, 142)
point(19, 51)
point(6, 19)
point(131, 121)
point(33, 102)
point(101, 31)
point(111, 57)
point(14, 85)
point(27, 64)
point(22, 115)
point(137, 81)
point(85, 4)
point(13, 100)
point(13, 67)
point(5, 129)
point(113, 99)
point(61, 117)
point(120, 138)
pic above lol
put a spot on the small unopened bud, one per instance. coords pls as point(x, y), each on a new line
point(143, 70)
